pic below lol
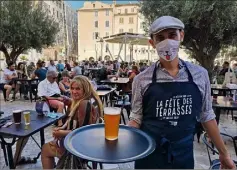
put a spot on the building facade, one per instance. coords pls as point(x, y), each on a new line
point(97, 20)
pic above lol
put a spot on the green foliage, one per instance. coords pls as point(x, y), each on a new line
point(23, 27)
point(209, 25)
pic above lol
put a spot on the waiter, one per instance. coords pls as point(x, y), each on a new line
point(168, 98)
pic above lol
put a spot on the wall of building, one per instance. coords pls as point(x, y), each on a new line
point(92, 20)
point(122, 18)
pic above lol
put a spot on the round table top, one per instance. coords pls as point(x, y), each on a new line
point(89, 143)
point(224, 103)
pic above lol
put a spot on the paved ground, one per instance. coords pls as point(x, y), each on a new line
point(201, 158)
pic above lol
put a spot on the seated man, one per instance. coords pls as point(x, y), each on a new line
point(49, 89)
point(8, 80)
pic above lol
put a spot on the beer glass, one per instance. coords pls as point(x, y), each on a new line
point(17, 116)
point(112, 119)
point(26, 117)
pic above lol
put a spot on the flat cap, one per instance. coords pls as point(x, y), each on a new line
point(165, 22)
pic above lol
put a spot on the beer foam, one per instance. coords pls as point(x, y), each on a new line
point(16, 111)
point(112, 110)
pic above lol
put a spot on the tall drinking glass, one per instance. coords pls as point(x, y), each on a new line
point(17, 116)
point(26, 117)
point(111, 118)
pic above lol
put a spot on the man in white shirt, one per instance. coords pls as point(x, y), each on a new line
point(7, 81)
point(49, 89)
point(52, 66)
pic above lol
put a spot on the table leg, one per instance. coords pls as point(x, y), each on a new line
point(101, 165)
point(30, 91)
point(218, 113)
point(4, 152)
point(42, 140)
point(10, 157)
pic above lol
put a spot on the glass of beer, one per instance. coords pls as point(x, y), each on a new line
point(112, 119)
point(17, 116)
point(26, 117)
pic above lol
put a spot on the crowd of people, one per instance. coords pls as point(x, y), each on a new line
point(107, 69)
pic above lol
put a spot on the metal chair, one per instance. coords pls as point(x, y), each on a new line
point(214, 164)
point(123, 104)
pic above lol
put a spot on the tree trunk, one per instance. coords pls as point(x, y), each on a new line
point(208, 64)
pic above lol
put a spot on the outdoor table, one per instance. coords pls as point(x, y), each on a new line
point(29, 81)
point(222, 90)
point(132, 144)
point(114, 81)
point(37, 124)
point(104, 93)
point(223, 103)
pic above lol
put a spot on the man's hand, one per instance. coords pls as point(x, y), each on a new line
point(226, 162)
point(133, 123)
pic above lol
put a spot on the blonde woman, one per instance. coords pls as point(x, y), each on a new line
point(81, 112)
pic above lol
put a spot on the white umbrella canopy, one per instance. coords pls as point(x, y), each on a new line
point(128, 38)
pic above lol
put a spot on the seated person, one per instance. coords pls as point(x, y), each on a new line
point(22, 74)
point(49, 89)
point(64, 84)
point(128, 87)
point(82, 93)
point(122, 72)
point(8, 83)
point(76, 70)
point(40, 72)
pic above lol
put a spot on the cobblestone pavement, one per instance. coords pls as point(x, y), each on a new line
point(31, 149)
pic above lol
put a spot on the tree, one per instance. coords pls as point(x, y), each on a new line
point(209, 25)
point(23, 27)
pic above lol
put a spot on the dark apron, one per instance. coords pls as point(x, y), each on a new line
point(169, 116)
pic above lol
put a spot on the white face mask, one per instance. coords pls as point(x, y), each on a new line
point(168, 49)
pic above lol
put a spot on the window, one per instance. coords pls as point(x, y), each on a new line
point(95, 35)
point(106, 23)
point(121, 20)
point(53, 11)
point(96, 24)
point(107, 34)
point(96, 13)
point(126, 11)
point(132, 10)
point(93, 5)
point(120, 30)
point(141, 25)
point(131, 30)
point(130, 20)
point(107, 12)
point(119, 11)
point(57, 14)
point(60, 5)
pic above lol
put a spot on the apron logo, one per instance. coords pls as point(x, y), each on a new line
point(174, 107)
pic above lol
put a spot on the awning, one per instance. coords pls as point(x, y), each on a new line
point(128, 38)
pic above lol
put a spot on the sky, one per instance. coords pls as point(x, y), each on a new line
point(79, 3)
